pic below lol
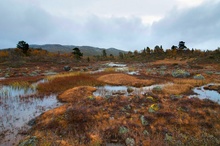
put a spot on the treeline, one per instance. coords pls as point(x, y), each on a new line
point(23, 52)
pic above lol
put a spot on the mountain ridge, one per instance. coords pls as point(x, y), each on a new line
point(86, 50)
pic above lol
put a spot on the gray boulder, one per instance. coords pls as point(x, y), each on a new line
point(66, 68)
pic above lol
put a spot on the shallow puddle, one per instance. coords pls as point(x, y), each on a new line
point(2, 78)
point(17, 107)
point(206, 94)
point(111, 64)
point(108, 90)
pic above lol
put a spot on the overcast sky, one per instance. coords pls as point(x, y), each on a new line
point(123, 24)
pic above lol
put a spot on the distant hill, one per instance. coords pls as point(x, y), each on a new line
point(86, 50)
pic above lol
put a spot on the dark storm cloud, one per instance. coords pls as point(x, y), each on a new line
point(198, 26)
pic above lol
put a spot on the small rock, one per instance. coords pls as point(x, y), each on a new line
point(129, 89)
point(183, 109)
point(33, 74)
point(168, 137)
point(123, 130)
point(7, 75)
point(209, 72)
point(176, 97)
point(145, 132)
point(179, 73)
point(157, 89)
point(151, 99)
point(32, 141)
point(163, 67)
point(130, 141)
point(153, 108)
point(144, 121)
point(66, 68)
point(199, 77)
point(48, 73)
point(91, 97)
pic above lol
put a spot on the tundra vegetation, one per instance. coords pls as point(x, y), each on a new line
point(165, 115)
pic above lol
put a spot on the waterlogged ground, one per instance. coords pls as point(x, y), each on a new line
point(109, 90)
point(207, 94)
point(18, 106)
point(139, 104)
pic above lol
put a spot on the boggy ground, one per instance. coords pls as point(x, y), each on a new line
point(146, 119)
point(163, 116)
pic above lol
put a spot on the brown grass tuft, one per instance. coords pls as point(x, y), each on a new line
point(77, 93)
point(123, 79)
point(60, 84)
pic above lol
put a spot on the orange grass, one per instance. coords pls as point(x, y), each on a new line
point(170, 61)
point(181, 86)
point(77, 93)
point(123, 79)
point(98, 121)
point(9, 81)
point(61, 84)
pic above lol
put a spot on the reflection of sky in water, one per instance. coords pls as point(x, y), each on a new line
point(210, 94)
point(110, 90)
point(17, 108)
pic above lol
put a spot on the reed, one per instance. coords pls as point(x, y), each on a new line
point(61, 83)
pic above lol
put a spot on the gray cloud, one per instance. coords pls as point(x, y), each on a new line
point(198, 26)
point(109, 23)
point(23, 22)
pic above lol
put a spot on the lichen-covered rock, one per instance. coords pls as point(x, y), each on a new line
point(199, 77)
point(150, 98)
point(49, 73)
point(123, 130)
point(129, 89)
point(130, 141)
point(153, 108)
point(209, 72)
point(168, 137)
point(179, 73)
point(91, 97)
point(144, 121)
point(176, 97)
point(163, 67)
point(146, 133)
point(66, 68)
point(32, 141)
point(183, 109)
point(157, 89)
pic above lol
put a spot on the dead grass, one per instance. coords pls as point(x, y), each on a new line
point(61, 84)
point(77, 93)
point(181, 86)
point(170, 61)
point(177, 89)
point(29, 80)
point(123, 79)
point(98, 121)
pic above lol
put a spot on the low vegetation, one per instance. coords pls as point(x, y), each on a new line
point(163, 115)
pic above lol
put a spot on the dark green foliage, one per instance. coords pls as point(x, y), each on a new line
point(182, 45)
point(23, 46)
point(77, 53)
point(121, 55)
point(104, 54)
